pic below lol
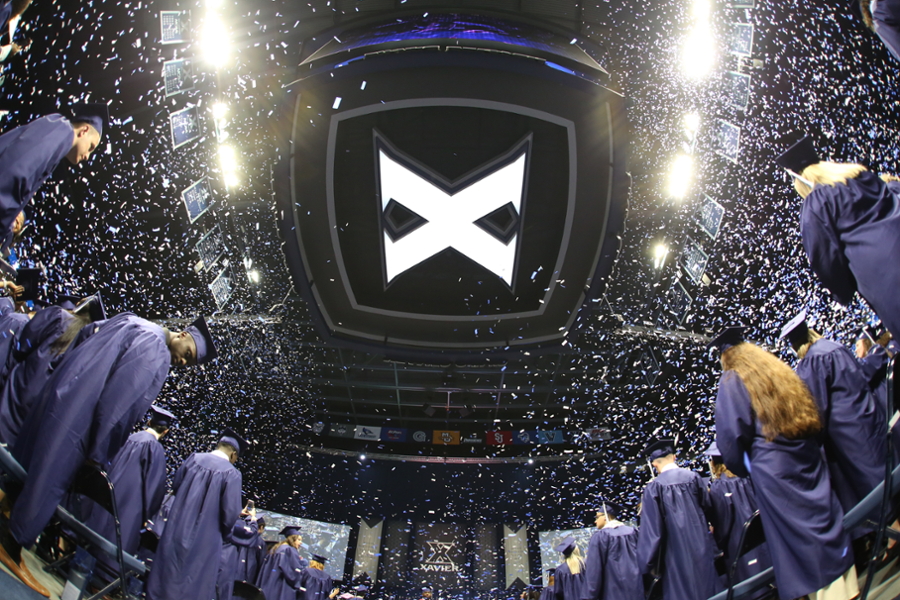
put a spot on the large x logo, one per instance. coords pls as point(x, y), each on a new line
point(479, 215)
point(440, 553)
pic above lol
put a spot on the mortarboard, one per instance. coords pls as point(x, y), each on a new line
point(160, 416)
point(871, 332)
point(95, 113)
point(566, 546)
point(728, 337)
point(799, 155)
point(206, 348)
point(659, 448)
point(552, 571)
point(30, 280)
point(796, 330)
point(260, 521)
point(713, 451)
point(426, 589)
point(7, 306)
point(290, 530)
point(231, 437)
point(611, 509)
point(67, 301)
point(94, 306)
point(319, 558)
point(361, 588)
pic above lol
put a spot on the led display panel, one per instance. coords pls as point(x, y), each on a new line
point(325, 539)
point(452, 202)
point(184, 125)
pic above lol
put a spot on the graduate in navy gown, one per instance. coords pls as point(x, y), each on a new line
point(315, 580)
point(854, 426)
point(30, 153)
point(801, 516)
point(674, 537)
point(11, 325)
point(733, 502)
point(850, 223)
point(250, 555)
point(207, 491)
point(40, 347)
point(138, 474)
point(102, 387)
point(547, 593)
point(570, 573)
point(883, 17)
point(611, 566)
point(280, 575)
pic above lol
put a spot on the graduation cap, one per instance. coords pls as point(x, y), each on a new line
point(610, 509)
point(426, 589)
point(798, 156)
point(796, 331)
point(290, 530)
point(232, 438)
point(30, 279)
point(566, 546)
point(361, 588)
point(96, 114)
point(7, 306)
point(319, 558)
point(206, 348)
point(871, 333)
point(160, 416)
point(260, 521)
point(713, 451)
point(659, 448)
point(94, 307)
point(728, 337)
point(551, 571)
point(67, 301)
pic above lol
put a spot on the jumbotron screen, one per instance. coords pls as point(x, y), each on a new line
point(329, 540)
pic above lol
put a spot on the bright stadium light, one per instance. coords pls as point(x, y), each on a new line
point(681, 176)
point(691, 124)
point(698, 54)
point(660, 252)
point(215, 45)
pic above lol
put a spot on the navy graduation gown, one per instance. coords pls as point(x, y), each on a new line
point(848, 231)
point(281, 575)
point(611, 565)
point(567, 585)
point(317, 583)
point(854, 426)
point(11, 325)
point(240, 536)
point(138, 474)
point(87, 409)
point(733, 502)
point(207, 491)
point(28, 155)
point(30, 362)
point(251, 555)
point(547, 593)
point(674, 522)
point(886, 19)
point(801, 516)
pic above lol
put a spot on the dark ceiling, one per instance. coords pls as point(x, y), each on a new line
point(634, 363)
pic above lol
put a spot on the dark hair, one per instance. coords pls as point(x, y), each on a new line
point(227, 448)
point(18, 7)
point(779, 397)
point(158, 427)
point(62, 343)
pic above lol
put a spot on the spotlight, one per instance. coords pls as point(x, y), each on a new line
point(680, 176)
point(219, 110)
point(253, 276)
point(699, 52)
point(691, 124)
point(530, 461)
point(214, 42)
point(660, 252)
point(362, 457)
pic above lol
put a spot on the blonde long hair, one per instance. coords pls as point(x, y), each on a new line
point(289, 541)
point(575, 562)
point(813, 337)
point(779, 398)
point(826, 173)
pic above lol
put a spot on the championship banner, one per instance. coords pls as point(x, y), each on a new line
point(524, 437)
point(341, 430)
point(499, 438)
point(421, 436)
point(365, 432)
point(393, 434)
point(446, 438)
point(550, 437)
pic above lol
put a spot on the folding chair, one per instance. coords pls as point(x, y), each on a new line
point(246, 591)
point(751, 536)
